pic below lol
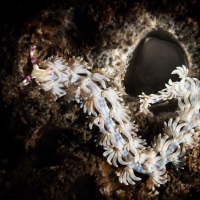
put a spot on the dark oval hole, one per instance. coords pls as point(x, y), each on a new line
point(155, 57)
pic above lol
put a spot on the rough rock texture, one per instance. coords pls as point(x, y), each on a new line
point(46, 148)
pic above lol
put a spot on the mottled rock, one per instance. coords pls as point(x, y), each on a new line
point(47, 151)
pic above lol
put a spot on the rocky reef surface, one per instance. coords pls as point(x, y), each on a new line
point(47, 150)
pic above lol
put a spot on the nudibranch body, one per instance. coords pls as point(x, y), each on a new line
point(118, 135)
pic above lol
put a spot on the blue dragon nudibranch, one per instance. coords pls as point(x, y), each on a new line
point(73, 80)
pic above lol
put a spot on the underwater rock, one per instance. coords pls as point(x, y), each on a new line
point(54, 154)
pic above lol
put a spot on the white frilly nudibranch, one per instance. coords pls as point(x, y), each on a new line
point(74, 80)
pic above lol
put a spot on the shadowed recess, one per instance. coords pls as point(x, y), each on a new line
point(155, 57)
